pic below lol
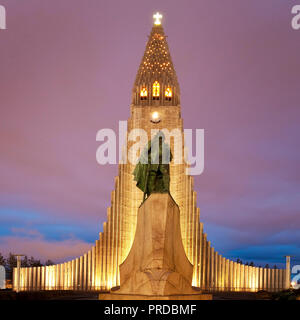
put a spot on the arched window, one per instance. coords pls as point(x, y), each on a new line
point(168, 94)
point(144, 93)
point(155, 90)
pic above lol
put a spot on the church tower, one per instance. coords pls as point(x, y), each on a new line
point(155, 105)
point(156, 82)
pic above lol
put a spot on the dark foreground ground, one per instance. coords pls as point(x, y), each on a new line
point(75, 295)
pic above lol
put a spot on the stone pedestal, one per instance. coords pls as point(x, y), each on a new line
point(156, 267)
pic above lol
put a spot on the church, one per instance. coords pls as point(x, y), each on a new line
point(155, 96)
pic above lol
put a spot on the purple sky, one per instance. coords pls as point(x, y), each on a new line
point(66, 71)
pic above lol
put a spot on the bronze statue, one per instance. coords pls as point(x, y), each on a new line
point(152, 172)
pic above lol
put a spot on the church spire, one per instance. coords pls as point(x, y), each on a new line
point(156, 81)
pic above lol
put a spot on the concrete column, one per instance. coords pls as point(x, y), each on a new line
point(212, 267)
point(200, 255)
point(288, 272)
point(15, 285)
point(66, 276)
point(54, 277)
point(238, 276)
point(208, 266)
point(70, 275)
point(84, 271)
point(277, 280)
point(54, 281)
point(231, 276)
point(257, 278)
point(264, 276)
point(112, 260)
point(42, 278)
point(76, 273)
point(57, 276)
point(104, 257)
point(102, 274)
point(81, 273)
point(49, 275)
point(26, 279)
point(222, 274)
point(62, 276)
point(30, 278)
point(215, 270)
point(46, 278)
point(65, 266)
point(17, 273)
point(67, 271)
point(260, 279)
point(255, 271)
point(89, 268)
point(39, 278)
point(234, 276)
point(269, 278)
point(226, 274)
point(250, 278)
point(117, 233)
point(97, 263)
point(246, 281)
point(196, 253)
point(22, 278)
point(282, 279)
point(108, 246)
point(73, 285)
point(204, 257)
point(219, 272)
point(272, 280)
point(242, 277)
point(93, 268)
point(34, 278)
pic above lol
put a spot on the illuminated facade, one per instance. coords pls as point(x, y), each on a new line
point(155, 95)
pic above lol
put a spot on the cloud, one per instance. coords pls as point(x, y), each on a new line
point(32, 243)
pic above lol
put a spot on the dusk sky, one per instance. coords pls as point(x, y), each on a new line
point(67, 69)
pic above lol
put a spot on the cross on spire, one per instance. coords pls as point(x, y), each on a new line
point(157, 18)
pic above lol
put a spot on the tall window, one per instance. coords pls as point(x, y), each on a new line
point(168, 94)
point(144, 93)
point(155, 90)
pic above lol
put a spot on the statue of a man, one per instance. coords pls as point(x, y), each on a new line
point(152, 172)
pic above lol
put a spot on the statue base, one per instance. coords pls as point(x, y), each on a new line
point(157, 267)
point(119, 296)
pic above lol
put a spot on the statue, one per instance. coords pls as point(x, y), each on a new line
point(152, 172)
